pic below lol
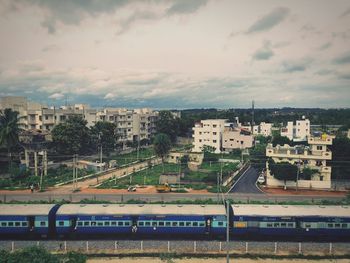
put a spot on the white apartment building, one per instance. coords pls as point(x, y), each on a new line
point(208, 132)
point(235, 138)
point(132, 125)
point(314, 156)
point(264, 129)
point(300, 131)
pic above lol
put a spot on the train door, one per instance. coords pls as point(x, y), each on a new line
point(31, 221)
point(208, 226)
point(134, 225)
point(74, 223)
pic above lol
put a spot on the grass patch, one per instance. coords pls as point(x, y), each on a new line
point(127, 158)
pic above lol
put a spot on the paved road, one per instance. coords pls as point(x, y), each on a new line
point(246, 184)
point(166, 197)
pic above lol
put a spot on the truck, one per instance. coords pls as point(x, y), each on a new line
point(164, 188)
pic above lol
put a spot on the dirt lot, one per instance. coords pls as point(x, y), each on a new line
point(211, 260)
point(280, 191)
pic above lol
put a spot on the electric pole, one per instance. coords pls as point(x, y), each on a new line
point(227, 231)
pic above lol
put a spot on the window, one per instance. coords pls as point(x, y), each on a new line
point(290, 224)
point(93, 223)
point(24, 224)
point(10, 224)
point(220, 223)
point(174, 223)
point(200, 140)
point(141, 223)
point(214, 133)
point(167, 223)
point(195, 223)
point(214, 125)
point(113, 223)
point(283, 224)
point(147, 223)
point(181, 223)
point(100, 223)
point(276, 225)
point(307, 225)
point(80, 223)
point(86, 223)
point(17, 223)
point(107, 223)
point(160, 223)
point(120, 223)
point(330, 225)
point(344, 225)
point(269, 224)
point(42, 223)
point(127, 223)
point(188, 223)
point(337, 225)
point(3, 224)
point(154, 223)
point(201, 224)
point(214, 141)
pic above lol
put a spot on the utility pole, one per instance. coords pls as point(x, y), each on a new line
point(138, 147)
point(179, 171)
point(100, 142)
point(73, 180)
point(298, 171)
point(217, 187)
point(227, 231)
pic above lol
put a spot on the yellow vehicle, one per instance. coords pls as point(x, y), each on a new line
point(164, 188)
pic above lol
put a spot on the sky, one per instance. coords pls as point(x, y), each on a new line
point(177, 53)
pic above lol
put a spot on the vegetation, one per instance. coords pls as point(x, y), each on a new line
point(103, 133)
point(341, 158)
point(283, 171)
point(168, 124)
point(161, 145)
point(281, 140)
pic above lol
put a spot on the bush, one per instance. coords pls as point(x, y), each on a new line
point(32, 255)
point(74, 257)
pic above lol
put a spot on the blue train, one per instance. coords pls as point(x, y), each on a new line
point(132, 220)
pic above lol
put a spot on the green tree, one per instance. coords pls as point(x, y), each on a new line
point(72, 136)
point(340, 161)
point(106, 132)
point(281, 140)
point(162, 145)
point(307, 173)
point(32, 254)
point(9, 131)
point(168, 124)
point(283, 171)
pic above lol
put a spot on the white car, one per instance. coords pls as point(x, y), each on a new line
point(261, 179)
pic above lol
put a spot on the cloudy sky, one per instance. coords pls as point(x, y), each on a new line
point(177, 54)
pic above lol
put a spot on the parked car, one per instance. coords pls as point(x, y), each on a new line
point(131, 189)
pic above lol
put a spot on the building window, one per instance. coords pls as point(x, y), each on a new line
point(214, 133)
point(319, 148)
point(200, 140)
point(214, 126)
point(214, 141)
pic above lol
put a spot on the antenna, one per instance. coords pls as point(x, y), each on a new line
point(252, 125)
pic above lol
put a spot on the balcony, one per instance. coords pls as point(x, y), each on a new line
point(293, 153)
point(323, 140)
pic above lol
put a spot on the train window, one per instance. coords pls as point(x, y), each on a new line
point(17, 223)
point(188, 224)
point(147, 223)
point(201, 224)
point(10, 223)
point(195, 223)
point(167, 223)
point(220, 223)
point(154, 223)
point(181, 223)
point(276, 224)
point(100, 223)
point(42, 223)
point(127, 223)
point(307, 225)
point(174, 223)
point(344, 225)
point(87, 223)
point(3, 224)
point(330, 225)
point(24, 224)
point(269, 224)
point(336, 225)
point(120, 223)
point(290, 224)
point(106, 223)
point(61, 223)
point(113, 223)
point(93, 223)
point(141, 223)
point(80, 223)
point(160, 223)
point(283, 224)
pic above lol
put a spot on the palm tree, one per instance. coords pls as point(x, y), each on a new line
point(9, 131)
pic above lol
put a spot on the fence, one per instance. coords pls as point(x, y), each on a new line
point(184, 247)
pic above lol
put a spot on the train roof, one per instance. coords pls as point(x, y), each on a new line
point(291, 210)
point(135, 209)
point(25, 210)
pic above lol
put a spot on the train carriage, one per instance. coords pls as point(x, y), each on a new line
point(97, 219)
point(327, 222)
point(27, 221)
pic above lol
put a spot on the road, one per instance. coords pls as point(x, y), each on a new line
point(246, 184)
point(166, 197)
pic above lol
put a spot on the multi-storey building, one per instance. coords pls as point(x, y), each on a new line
point(209, 133)
point(314, 156)
point(300, 131)
point(132, 125)
point(235, 138)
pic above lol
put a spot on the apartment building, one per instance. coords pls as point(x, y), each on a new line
point(235, 138)
point(313, 156)
point(264, 128)
point(208, 132)
point(300, 131)
point(132, 125)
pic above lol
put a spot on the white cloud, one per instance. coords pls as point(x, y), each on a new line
point(56, 96)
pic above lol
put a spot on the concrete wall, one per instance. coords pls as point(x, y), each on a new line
point(308, 184)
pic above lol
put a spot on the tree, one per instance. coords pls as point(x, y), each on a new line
point(283, 171)
point(108, 136)
point(33, 254)
point(9, 131)
point(281, 140)
point(72, 136)
point(162, 145)
point(168, 124)
point(340, 163)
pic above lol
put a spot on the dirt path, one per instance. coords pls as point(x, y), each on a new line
point(280, 191)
